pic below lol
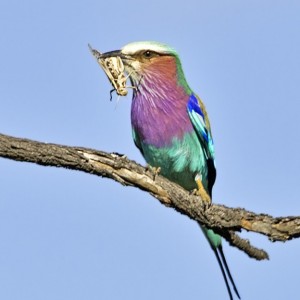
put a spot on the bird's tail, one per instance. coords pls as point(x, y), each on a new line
point(215, 242)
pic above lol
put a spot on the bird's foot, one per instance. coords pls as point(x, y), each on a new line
point(153, 170)
point(200, 191)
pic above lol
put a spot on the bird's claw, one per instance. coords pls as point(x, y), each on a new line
point(153, 170)
point(200, 191)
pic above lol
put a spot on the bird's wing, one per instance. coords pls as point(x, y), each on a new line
point(199, 119)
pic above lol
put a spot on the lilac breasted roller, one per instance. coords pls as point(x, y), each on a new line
point(170, 126)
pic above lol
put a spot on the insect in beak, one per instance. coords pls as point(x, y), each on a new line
point(113, 67)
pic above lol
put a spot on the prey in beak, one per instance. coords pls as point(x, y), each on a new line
point(112, 64)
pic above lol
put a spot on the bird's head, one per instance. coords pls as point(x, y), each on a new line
point(150, 63)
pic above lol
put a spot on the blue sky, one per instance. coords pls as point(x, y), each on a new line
point(68, 235)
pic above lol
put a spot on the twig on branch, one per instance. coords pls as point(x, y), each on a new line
point(220, 218)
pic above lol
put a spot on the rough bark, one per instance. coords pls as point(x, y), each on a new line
point(223, 220)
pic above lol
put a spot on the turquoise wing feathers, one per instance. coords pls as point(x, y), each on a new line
point(199, 119)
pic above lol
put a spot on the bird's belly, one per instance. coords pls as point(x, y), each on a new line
point(180, 161)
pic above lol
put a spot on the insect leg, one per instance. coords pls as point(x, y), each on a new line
point(110, 93)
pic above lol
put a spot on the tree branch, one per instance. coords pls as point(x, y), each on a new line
point(220, 218)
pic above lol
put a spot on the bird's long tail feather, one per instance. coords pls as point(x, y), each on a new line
point(220, 249)
point(225, 271)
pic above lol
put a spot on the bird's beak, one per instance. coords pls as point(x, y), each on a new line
point(115, 53)
point(111, 54)
point(127, 59)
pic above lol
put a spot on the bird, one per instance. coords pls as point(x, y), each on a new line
point(171, 128)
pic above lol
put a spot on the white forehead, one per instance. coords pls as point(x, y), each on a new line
point(147, 45)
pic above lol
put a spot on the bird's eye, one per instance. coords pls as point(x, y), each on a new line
point(148, 54)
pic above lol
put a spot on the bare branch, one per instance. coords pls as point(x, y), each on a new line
point(220, 218)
